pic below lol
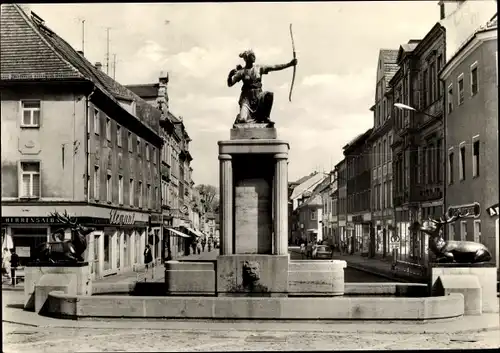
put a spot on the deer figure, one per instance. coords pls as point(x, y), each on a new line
point(60, 250)
point(453, 250)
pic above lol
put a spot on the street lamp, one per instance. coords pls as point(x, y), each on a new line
point(402, 106)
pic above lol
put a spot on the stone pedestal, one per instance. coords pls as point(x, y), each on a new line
point(74, 278)
point(316, 277)
point(254, 196)
point(486, 275)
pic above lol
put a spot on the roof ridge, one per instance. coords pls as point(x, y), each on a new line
point(36, 30)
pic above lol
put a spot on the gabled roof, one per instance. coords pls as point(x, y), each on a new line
point(307, 185)
point(407, 48)
point(357, 140)
point(30, 50)
point(315, 199)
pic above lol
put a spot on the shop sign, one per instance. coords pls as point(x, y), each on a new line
point(474, 210)
point(29, 220)
point(493, 210)
point(155, 219)
point(121, 217)
point(23, 251)
point(357, 219)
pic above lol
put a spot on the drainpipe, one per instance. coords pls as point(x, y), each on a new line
point(86, 148)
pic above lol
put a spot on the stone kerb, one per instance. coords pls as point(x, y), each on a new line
point(312, 308)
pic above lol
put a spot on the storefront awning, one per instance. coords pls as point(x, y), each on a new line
point(178, 233)
point(195, 232)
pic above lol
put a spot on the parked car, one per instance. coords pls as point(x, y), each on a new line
point(323, 252)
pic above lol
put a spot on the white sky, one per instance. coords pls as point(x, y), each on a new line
point(337, 46)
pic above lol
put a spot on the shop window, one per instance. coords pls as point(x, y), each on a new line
point(451, 231)
point(30, 113)
point(26, 241)
point(30, 180)
point(463, 230)
point(107, 252)
point(477, 231)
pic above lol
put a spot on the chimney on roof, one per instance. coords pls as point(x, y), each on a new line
point(162, 96)
point(98, 66)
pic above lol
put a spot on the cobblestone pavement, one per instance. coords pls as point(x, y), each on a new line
point(18, 338)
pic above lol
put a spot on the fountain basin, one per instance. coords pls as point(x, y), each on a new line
point(278, 308)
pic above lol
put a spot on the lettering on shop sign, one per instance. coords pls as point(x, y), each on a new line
point(29, 220)
point(357, 219)
point(493, 210)
point(120, 217)
point(473, 209)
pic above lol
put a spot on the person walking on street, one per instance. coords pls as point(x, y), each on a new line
point(314, 249)
point(303, 250)
point(203, 244)
point(14, 263)
point(309, 249)
point(198, 247)
point(209, 244)
point(148, 261)
point(6, 262)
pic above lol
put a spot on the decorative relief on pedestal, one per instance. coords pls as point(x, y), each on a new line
point(250, 279)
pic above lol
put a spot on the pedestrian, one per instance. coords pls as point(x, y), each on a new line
point(169, 255)
point(193, 246)
point(14, 263)
point(203, 244)
point(198, 247)
point(148, 261)
point(309, 249)
point(6, 262)
point(314, 250)
point(209, 244)
point(303, 250)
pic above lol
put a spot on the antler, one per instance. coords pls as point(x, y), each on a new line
point(443, 220)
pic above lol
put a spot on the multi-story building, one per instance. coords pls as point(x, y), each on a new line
point(418, 142)
point(74, 140)
point(381, 141)
point(341, 171)
point(471, 119)
point(177, 184)
point(310, 211)
point(330, 213)
point(304, 185)
point(357, 155)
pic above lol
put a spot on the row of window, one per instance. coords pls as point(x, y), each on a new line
point(464, 149)
point(382, 151)
point(473, 87)
point(136, 195)
point(382, 196)
point(452, 233)
point(150, 151)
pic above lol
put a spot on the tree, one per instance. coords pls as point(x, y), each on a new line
point(209, 197)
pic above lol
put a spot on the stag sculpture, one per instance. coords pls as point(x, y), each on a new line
point(453, 250)
point(60, 250)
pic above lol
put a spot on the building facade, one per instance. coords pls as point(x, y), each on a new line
point(102, 167)
point(178, 206)
point(418, 142)
point(341, 171)
point(381, 155)
point(359, 223)
point(471, 82)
